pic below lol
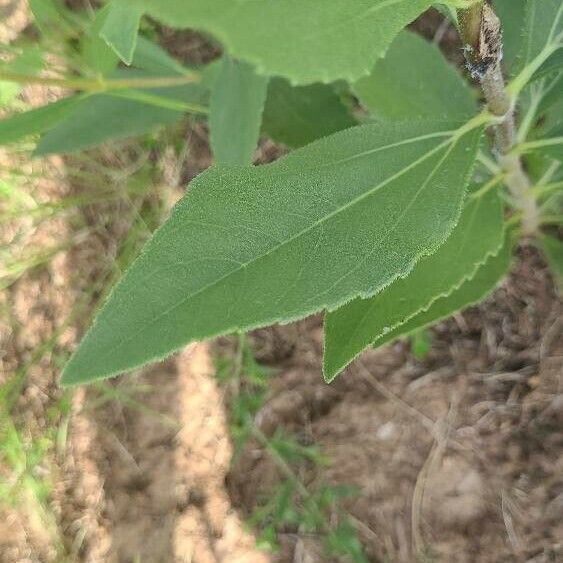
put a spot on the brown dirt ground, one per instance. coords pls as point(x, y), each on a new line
point(457, 457)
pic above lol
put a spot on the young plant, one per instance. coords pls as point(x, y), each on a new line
point(387, 227)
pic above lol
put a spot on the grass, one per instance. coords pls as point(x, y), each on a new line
point(290, 506)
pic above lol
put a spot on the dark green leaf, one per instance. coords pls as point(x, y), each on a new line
point(340, 218)
point(414, 80)
point(298, 115)
point(235, 113)
point(357, 324)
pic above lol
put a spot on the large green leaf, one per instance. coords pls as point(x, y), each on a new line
point(469, 293)
point(414, 80)
point(250, 246)
point(120, 29)
point(235, 113)
point(303, 40)
point(357, 324)
point(298, 115)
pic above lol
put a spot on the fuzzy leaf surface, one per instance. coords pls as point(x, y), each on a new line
point(357, 324)
point(414, 80)
point(251, 246)
point(469, 293)
point(298, 115)
point(303, 40)
point(235, 114)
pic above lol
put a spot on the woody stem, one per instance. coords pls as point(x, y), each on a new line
point(500, 104)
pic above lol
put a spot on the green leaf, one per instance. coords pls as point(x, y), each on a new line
point(544, 25)
point(250, 246)
point(512, 14)
point(151, 57)
point(298, 115)
point(414, 80)
point(305, 41)
point(35, 121)
point(553, 250)
point(120, 114)
point(355, 326)
point(96, 53)
point(470, 293)
point(100, 118)
point(235, 113)
point(120, 29)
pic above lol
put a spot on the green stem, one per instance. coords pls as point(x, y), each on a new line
point(98, 85)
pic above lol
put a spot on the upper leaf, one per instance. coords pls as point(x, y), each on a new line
point(305, 41)
point(357, 324)
point(237, 101)
point(340, 218)
point(414, 80)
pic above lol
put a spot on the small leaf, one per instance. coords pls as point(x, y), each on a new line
point(414, 80)
point(120, 29)
point(35, 121)
point(553, 250)
point(470, 293)
point(96, 53)
point(543, 25)
point(235, 114)
point(251, 246)
point(357, 324)
point(154, 59)
point(298, 115)
point(512, 14)
point(304, 41)
point(99, 118)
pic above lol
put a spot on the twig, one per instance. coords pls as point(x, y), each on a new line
point(482, 35)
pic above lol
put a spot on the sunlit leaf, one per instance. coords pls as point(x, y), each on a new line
point(251, 246)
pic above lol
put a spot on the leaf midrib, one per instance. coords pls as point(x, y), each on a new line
point(309, 228)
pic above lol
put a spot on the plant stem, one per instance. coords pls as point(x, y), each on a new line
point(486, 59)
point(98, 85)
